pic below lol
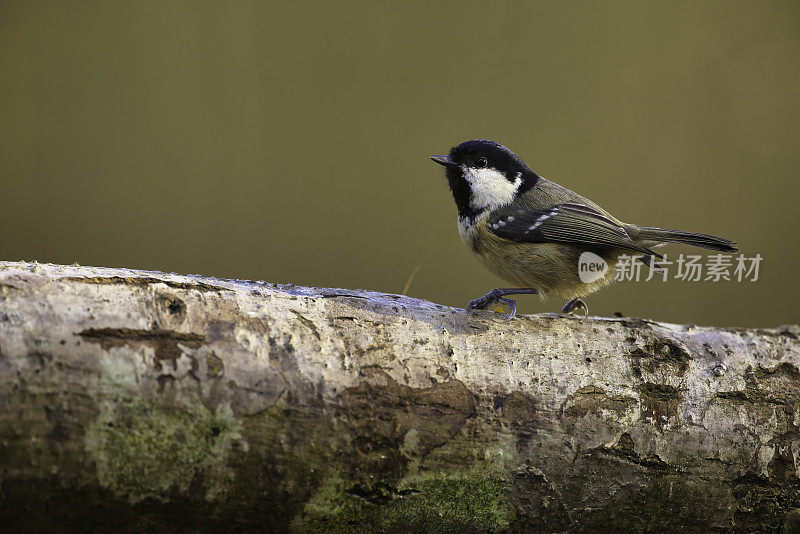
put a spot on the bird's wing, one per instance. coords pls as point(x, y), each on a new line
point(570, 223)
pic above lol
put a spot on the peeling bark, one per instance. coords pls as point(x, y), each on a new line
point(134, 400)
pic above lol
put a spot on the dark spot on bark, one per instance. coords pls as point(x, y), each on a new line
point(344, 295)
point(381, 412)
point(519, 407)
point(390, 423)
point(750, 379)
point(540, 504)
point(661, 353)
point(635, 322)
point(785, 369)
point(283, 354)
point(145, 281)
point(497, 403)
point(164, 382)
point(625, 449)
point(740, 397)
point(308, 324)
point(379, 493)
point(762, 502)
point(709, 349)
point(13, 319)
point(791, 521)
point(163, 342)
point(42, 359)
point(625, 445)
point(59, 432)
point(790, 331)
point(659, 403)
point(779, 385)
point(173, 306)
point(781, 468)
point(217, 329)
point(592, 399)
point(215, 367)
point(660, 392)
point(636, 368)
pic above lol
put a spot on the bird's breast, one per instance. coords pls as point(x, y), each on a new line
point(468, 228)
point(551, 268)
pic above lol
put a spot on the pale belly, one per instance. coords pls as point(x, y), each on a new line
point(550, 268)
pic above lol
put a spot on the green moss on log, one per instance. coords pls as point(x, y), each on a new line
point(144, 449)
point(427, 503)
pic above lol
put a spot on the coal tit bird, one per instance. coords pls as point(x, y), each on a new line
point(531, 232)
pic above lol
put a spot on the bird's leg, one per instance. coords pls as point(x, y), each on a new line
point(574, 304)
point(498, 295)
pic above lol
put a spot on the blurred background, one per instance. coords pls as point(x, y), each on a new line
point(289, 142)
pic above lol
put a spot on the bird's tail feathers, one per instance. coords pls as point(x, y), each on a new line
point(647, 233)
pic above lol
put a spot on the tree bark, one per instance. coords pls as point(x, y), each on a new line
point(134, 400)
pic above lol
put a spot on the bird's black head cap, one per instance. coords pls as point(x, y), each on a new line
point(477, 154)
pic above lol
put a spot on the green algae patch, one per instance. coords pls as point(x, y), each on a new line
point(143, 449)
point(427, 503)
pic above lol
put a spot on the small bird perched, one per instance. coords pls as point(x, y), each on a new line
point(532, 232)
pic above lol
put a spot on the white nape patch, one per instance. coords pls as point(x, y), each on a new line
point(490, 189)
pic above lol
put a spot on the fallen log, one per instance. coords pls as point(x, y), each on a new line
point(134, 400)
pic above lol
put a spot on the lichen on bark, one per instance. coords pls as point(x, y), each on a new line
point(142, 449)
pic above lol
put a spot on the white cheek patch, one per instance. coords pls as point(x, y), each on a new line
point(490, 189)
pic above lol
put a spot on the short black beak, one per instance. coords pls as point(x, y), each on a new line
point(443, 160)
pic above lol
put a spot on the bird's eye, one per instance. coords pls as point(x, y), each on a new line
point(481, 162)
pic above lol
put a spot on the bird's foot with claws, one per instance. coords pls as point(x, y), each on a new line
point(574, 304)
point(491, 298)
point(498, 296)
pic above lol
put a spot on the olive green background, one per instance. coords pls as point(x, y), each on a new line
point(289, 142)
